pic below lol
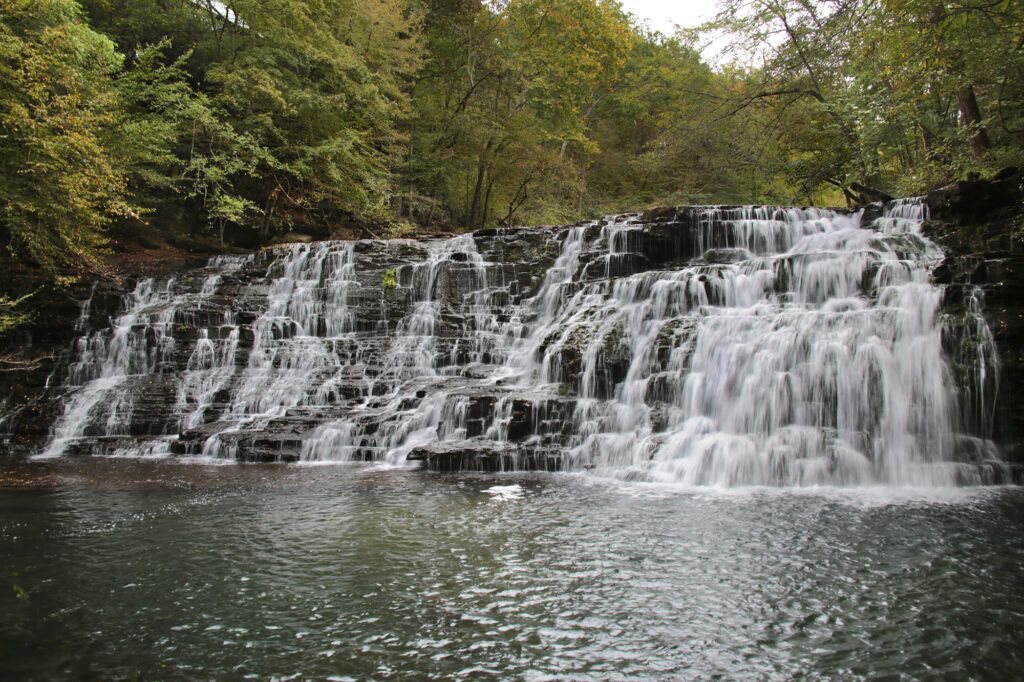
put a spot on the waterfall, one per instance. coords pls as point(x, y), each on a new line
point(719, 346)
point(137, 344)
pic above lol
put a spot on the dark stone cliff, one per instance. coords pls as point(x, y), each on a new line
point(980, 224)
point(37, 356)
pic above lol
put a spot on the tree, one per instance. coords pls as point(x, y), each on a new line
point(897, 91)
point(508, 103)
point(319, 86)
point(286, 111)
point(58, 114)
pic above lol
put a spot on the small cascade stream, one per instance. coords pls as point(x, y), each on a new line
point(137, 344)
point(720, 346)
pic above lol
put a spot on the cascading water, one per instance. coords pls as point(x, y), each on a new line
point(137, 343)
point(721, 346)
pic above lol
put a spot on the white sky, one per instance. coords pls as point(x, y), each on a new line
point(664, 15)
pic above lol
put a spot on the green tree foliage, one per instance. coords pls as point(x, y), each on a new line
point(249, 118)
point(507, 107)
point(11, 313)
point(896, 94)
point(283, 112)
point(58, 120)
point(319, 86)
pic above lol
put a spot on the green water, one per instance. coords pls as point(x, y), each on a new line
point(158, 570)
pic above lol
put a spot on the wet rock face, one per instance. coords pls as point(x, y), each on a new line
point(481, 456)
point(36, 357)
point(710, 345)
point(980, 224)
point(249, 356)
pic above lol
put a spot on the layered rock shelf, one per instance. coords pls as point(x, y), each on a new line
point(707, 345)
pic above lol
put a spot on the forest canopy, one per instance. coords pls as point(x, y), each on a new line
point(260, 117)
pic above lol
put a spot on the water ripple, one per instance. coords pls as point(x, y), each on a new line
point(175, 572)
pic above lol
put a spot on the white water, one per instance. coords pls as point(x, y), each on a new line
point(136, 344)
point(797, 347)
point(817, 361)
point(139, 343)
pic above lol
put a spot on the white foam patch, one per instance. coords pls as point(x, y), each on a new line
point(865, 497)
point(506, 492)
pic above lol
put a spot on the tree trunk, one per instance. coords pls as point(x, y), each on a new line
point(928, 139)
point(582, 192)
point(474, 211)
point(487, 202)
point(268, 215)
point(870, 194)
point(518, 200)
point(970, 115)
point(481, 174)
